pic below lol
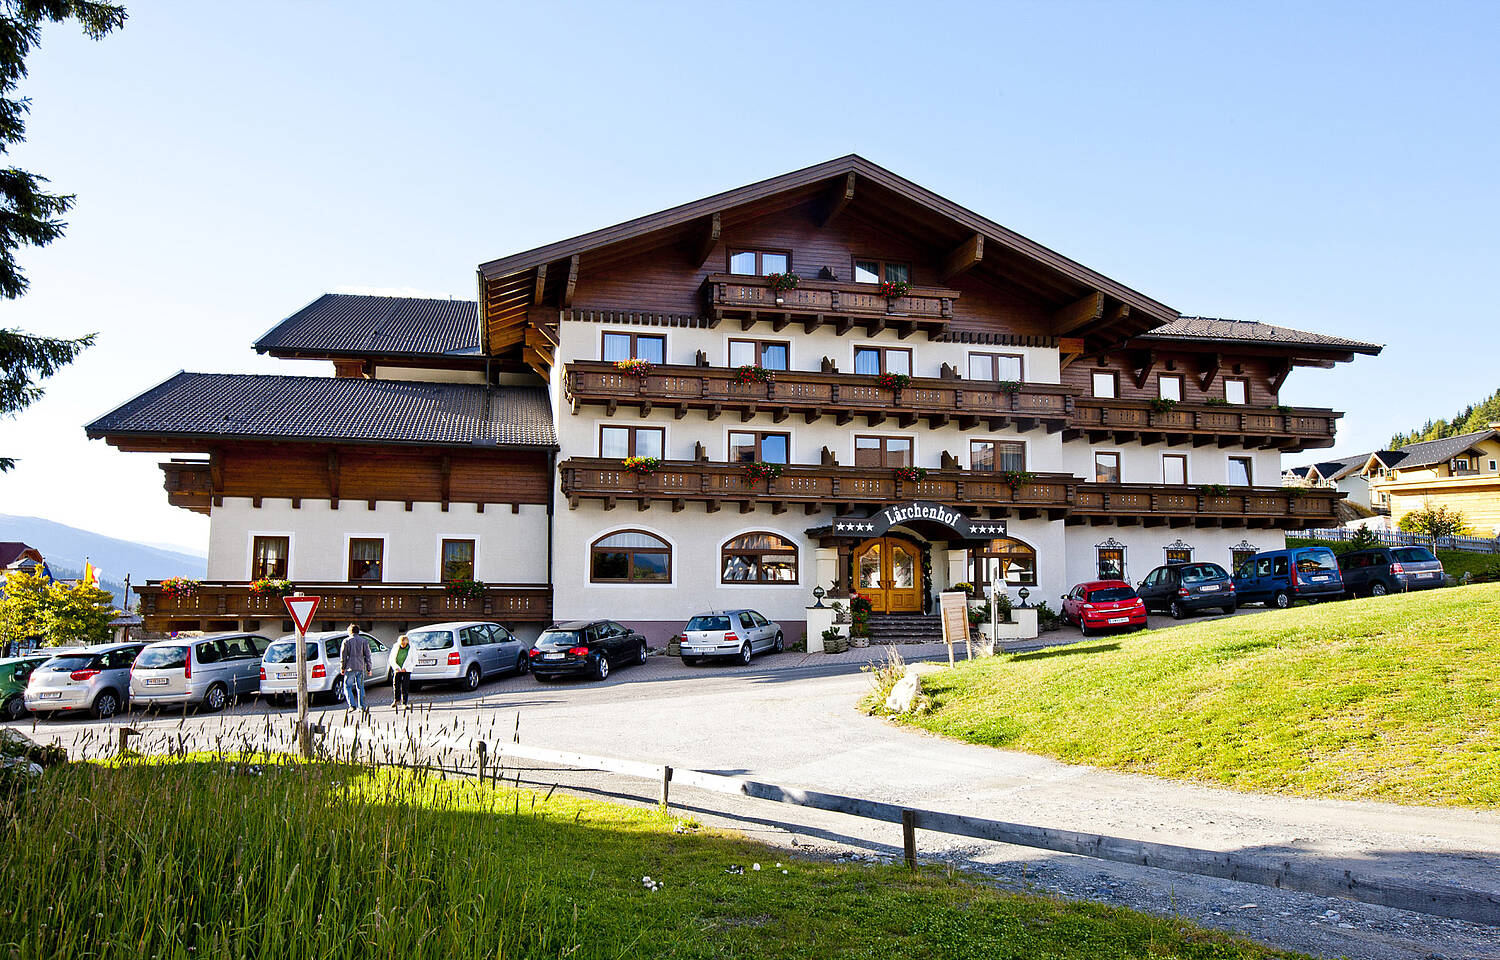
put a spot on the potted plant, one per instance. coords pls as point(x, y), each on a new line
point(1214, 490)
point(754, 373)
point(893, 381)
point(635, 368)
point(1008, 387)
point(465, 587)
point(911, 474)
point(271, 587)
point(894, 290)
point(1216, 402)
point(641, 465)
point(760, 470)
point(1016, 477)
point(1162, 405)
point(781, 283)
point(179, 588)
point(860, 607)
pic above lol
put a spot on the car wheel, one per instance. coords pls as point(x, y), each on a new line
point(1229, 610)
point(216, 698)
point(1177, 610)
point(523, 663)
point(1282, 599)
point(780, 644)
point(471, 678)
point(644, 654)
point(15, 707)
point(745, 653)
point(1083, 628)
point(106, 705)
point(1377, 589)
point(601, 667)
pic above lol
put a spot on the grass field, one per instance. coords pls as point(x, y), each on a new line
point(216, 859)
point(1392, 698)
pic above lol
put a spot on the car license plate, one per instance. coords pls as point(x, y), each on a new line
point(426, 661)
point(553, 656)
point(1211, 589)
point(50, 695)
point(1119, 619)
point(1322, 579)
point(1427, 574)
point(156, 681)
point(285, 675)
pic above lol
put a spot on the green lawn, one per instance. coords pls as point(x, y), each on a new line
point(1392, 698)
point(211, 859)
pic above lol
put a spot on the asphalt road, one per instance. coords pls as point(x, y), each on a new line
point(791, 719)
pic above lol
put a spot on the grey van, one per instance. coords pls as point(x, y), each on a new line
point(464, 652)
point(209, 670)
point(96, 679)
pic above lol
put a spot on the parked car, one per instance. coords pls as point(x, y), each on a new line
point(585, 648)
point(730, 633)
point(1282, 577)
point(278, 665)
point(465, 652)
point(95, 678)
point(1102, 605)
point(14, 672)
point(1382, 570)
point(209, 670)
point(1184, 588)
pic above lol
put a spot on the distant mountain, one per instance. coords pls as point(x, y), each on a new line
point(66, 549)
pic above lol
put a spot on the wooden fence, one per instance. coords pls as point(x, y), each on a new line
point(1396, 538)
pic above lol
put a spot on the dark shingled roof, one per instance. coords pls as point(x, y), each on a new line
point(1428, 452)
point(347, 410)
point(1252, 331)
point(347, 325)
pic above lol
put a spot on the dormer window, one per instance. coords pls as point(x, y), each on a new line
point(759, 263)
point(881, 271)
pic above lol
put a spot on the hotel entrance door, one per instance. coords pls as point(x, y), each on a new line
point(887, 571)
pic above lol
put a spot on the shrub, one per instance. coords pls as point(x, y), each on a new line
point(1435, 521)
point(1364, 539)
point(1046, 617)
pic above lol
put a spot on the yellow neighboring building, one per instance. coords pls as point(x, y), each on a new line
point(1461, 473)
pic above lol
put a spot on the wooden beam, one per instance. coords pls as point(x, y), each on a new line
point(707, 240)
point(1211, 370)
point(333, 479)
point(540, 288)
point(964, 256)
point(841, 198)
point(1144, 370)
point(571, 283)
point(445, 467)
point(1078, 314)
point(1279, 377)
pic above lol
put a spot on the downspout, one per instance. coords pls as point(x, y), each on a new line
point(551, 499)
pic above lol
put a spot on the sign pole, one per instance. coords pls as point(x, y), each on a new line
point(302, 608)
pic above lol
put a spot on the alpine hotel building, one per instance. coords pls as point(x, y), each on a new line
point(935, 400)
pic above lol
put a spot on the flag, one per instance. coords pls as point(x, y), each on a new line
point(90, 574)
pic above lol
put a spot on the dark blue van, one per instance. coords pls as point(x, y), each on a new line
point(1279, 578)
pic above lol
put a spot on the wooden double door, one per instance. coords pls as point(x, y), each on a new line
point(889, 572)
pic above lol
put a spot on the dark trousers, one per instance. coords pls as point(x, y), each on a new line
point(402, 680)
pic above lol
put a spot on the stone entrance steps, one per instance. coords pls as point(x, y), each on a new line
point(896, 628)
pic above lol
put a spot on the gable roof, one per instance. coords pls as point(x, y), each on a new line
point(349, 325)
point(218, 406)
point(1218, 329)
point(13, 550)
point(1428, 452)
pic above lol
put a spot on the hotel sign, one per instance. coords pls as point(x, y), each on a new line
point(898, 514)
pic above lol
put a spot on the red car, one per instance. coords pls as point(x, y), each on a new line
point(1104, 605)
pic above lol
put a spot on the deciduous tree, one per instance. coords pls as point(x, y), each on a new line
point(1435, 521)
point(77, 613)
point(21, 610)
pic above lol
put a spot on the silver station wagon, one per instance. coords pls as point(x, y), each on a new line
point(278, 665)
point(730, 633)
point(465, 652)
point(211, 670)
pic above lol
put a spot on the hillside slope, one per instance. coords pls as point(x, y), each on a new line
point(1392, 698)
point(67, 547)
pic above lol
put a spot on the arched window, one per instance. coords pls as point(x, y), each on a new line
point(630, 556)
point(760, 558)
point(1007, 561)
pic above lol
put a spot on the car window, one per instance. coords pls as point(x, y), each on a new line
point(1199, 572)
point(208, 651)
point(466, 637)
point(375, 645)
point(499, 634)
point(1150, 580)
point(1279, 566)
point(1108, 594)
point(616, 629)
point(335, 648)
point(1246, 570)
point(1413, 555)
point(162, 658)
point(237, 648)
point(257, 644)
point(1315, 560)
point(1263, 567)
point(708, 623)
point(746, 622)
point(760, 621)
point(431, 639)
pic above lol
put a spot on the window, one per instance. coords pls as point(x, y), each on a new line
point(1174, 468)
point(366, 559)
point(1106, 468)
point(1004, 561)
point(1239, 556)
point(997, 456)
point(878, 271)
point(1459, 463)
point(1493, 466)
point(458, 560)
point(1240, 473)
point(996, 366)
point(1106, 384)
point(882, 452)
point(1169, 386)
point(1236, 390)
point(1179, 552)
point(760, 558)
point(630, 556)
point(746, 447)
point(621, 442)
point(871, 361)
point(1111, 561)
point(268, 557)
point(635, 346)
point(758, 353)
point(759, 263)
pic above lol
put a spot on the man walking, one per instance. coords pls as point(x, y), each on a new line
point(355, 655)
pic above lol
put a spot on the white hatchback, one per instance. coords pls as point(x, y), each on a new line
point(278, 666)
point(465, 652)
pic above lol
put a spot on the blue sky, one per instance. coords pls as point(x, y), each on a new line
point(1325, 166)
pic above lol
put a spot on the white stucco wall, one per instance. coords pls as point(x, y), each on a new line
point(1145, 549)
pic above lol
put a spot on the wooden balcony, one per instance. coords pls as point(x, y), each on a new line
point(216, 602)
point(814, 303)
point(1120, 421)
point(681, 482)
point(189, 484)
point(1159, 504)
point(842, 396)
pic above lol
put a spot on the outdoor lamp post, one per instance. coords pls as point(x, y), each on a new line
point(818, 594)
point(1023, 593)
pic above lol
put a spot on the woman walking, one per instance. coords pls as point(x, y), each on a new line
point(401, 672)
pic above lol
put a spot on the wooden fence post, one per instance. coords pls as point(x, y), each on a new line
point(482, 750)
point(909, 837)
point(666, 781)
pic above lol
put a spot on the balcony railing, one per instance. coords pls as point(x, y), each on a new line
point(343, 602)
point(1290, 429)
point(1154, 504)
point(841, 304)
point(815, 487)
point(841, 396)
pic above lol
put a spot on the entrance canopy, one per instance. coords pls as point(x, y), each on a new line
point(925, 516)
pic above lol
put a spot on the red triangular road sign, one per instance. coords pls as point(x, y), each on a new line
point(302, 609)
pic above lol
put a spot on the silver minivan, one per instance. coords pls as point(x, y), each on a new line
point(94, 678)
point(466, 651)
point(730, 633)
point(209, 670)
